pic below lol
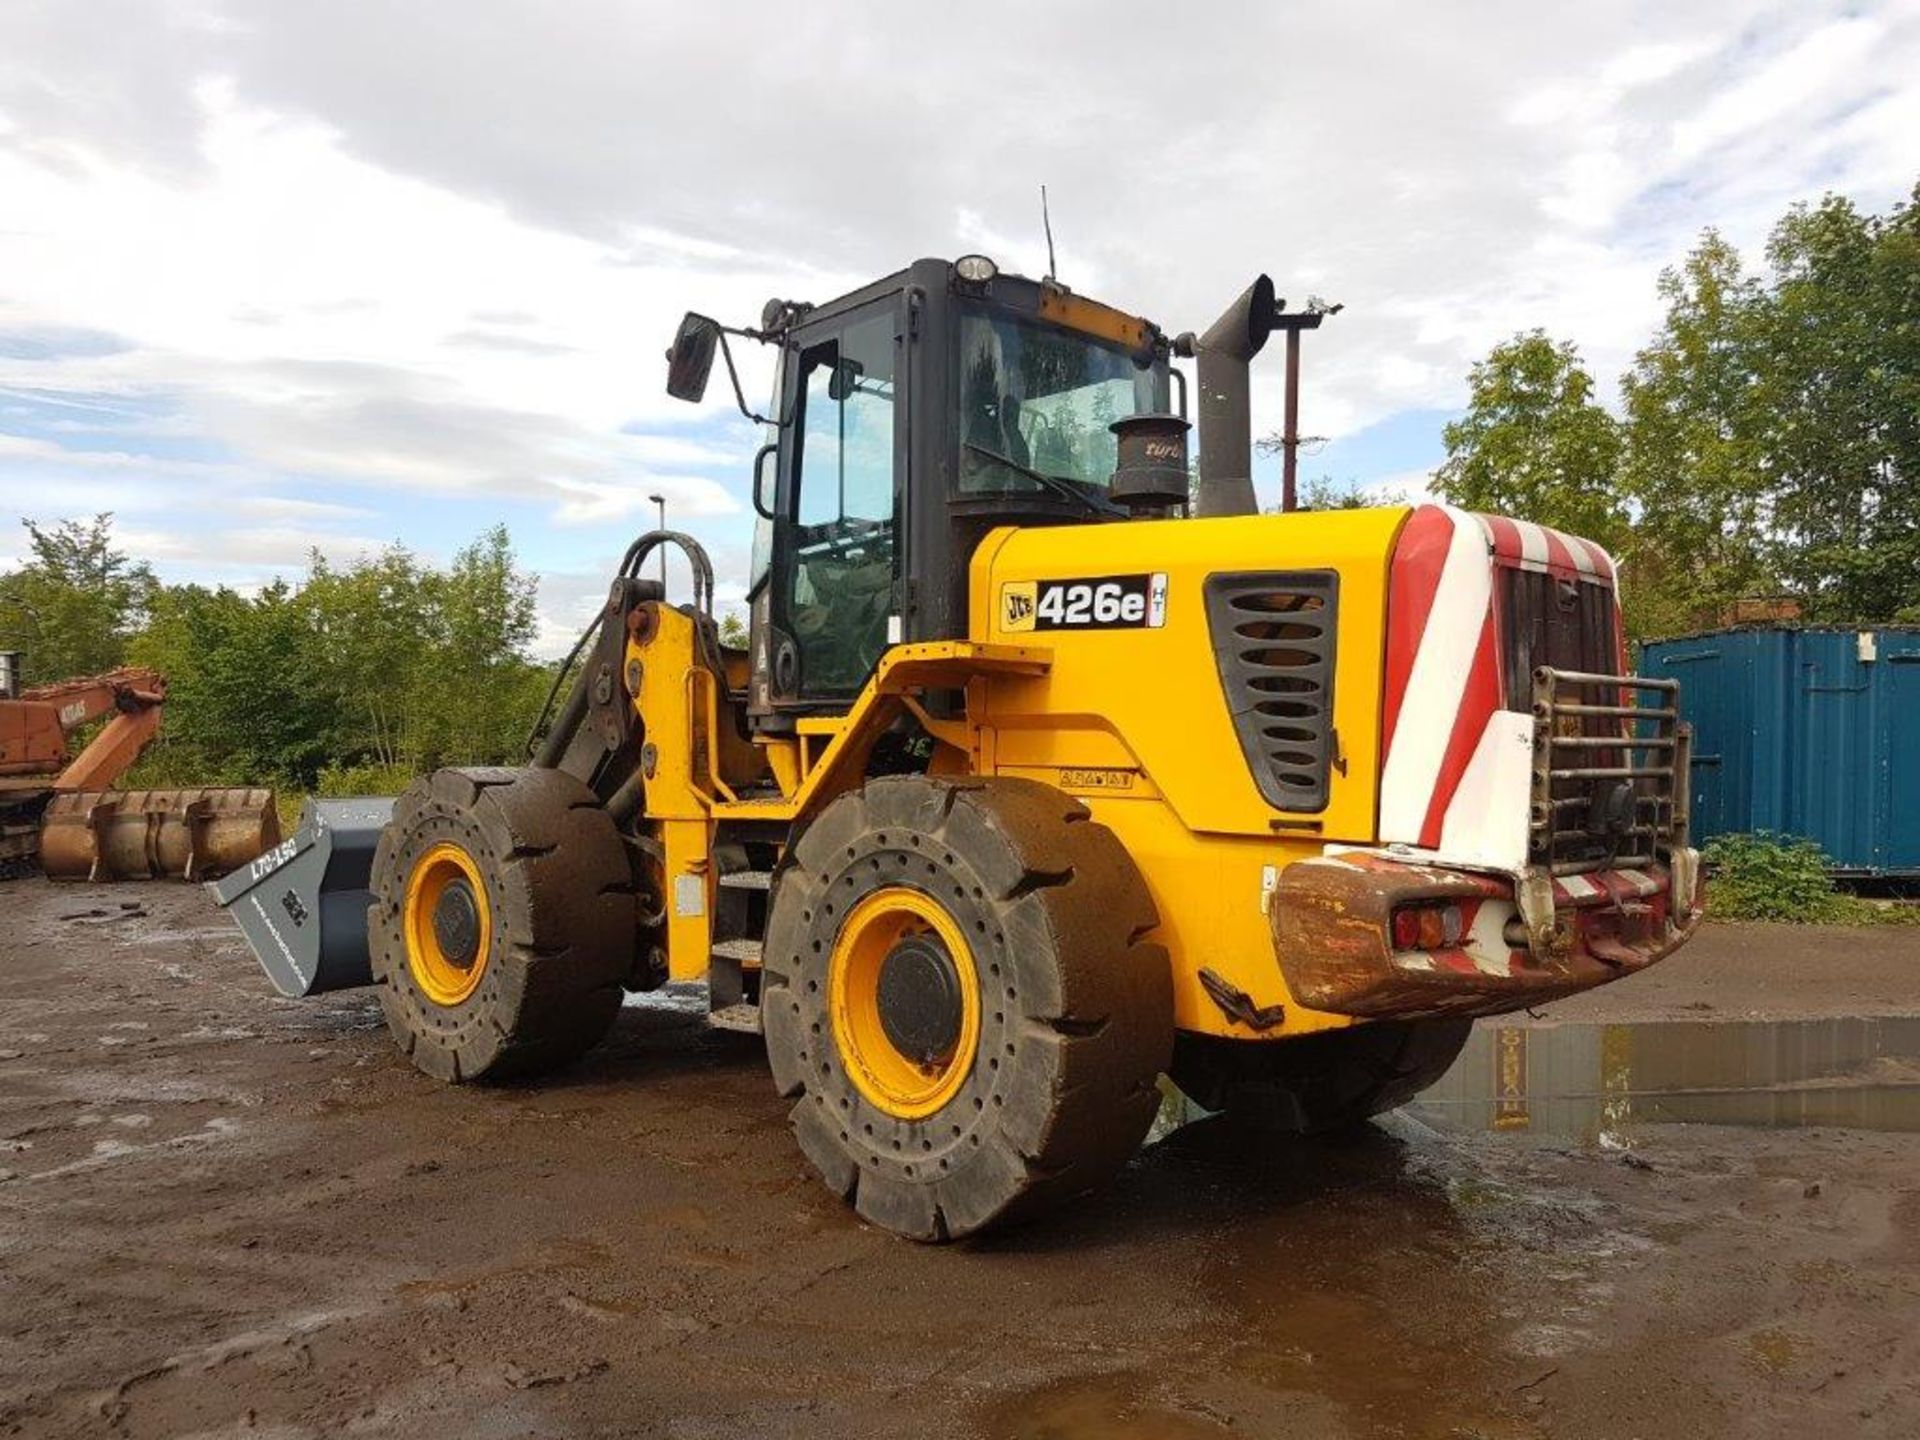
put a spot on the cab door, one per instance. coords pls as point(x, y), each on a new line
point(835, 579)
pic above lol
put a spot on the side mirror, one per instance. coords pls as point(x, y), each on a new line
point(766, 478)
point(690, 360)
point(846, 379)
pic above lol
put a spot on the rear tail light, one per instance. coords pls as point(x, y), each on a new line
point(1427, 927)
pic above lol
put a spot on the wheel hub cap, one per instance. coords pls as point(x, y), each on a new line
point(919, 999)
point(456, 923)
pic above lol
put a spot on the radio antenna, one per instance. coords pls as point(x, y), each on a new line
point(1046, 223)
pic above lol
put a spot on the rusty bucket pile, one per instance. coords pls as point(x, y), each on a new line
point(156, 834)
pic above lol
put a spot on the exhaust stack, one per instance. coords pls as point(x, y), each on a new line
point(1226, 419)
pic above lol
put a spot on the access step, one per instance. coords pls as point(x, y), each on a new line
point(742, 1018)
point(745, 953)
point(761, 880)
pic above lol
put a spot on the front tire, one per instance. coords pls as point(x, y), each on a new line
point(502, 922)
point(959, 998)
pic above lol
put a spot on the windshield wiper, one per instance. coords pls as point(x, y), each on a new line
point(1058, 484)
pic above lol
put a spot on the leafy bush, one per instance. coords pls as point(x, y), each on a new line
point(341, 782)
point(345, 781)
point(1762, 876)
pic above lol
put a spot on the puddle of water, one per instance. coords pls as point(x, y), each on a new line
point(1600, 1083)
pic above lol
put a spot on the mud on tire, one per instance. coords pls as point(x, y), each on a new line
point(1075, 1007)
point(1318, 1083)
point(559, 888)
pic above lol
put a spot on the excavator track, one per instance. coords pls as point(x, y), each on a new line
point(21, 802)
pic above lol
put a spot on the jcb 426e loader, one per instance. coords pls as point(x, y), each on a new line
point(1030, 788)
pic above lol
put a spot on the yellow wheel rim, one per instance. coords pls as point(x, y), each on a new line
point(446, 977)
point(899, 1085)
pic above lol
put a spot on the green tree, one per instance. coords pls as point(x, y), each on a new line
point(72, 606)
point(1696, 466)
point(1837, 385)
point(1534, 443)
point(250, 696)
point(480, 683)
point(369, 672)
point(377, 621)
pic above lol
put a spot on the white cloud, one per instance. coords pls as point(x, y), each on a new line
point(254, 551)
point(436, 257)
point(588, 502)
point(1820, 70)
point(1407, 487)
point(284, 507)
point(315, 315)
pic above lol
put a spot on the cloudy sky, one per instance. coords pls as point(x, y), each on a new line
point(284, 275)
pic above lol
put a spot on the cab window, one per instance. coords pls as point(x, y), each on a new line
point(841, 564)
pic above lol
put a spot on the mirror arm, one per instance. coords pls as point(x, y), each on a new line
point(739, 395)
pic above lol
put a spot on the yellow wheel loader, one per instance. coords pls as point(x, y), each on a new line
point(1046, 771)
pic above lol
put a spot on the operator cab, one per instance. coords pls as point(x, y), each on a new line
point(910, 418)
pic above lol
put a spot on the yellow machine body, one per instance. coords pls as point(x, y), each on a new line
point(1132, 722)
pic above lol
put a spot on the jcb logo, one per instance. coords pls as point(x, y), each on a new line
point(1018, 602)
point(1099, 602)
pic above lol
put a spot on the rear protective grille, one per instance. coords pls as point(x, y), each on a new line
point(1550, 620)
point(1609, 774)
point(1273, 638)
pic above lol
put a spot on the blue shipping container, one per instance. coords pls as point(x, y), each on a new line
point(1805, 732)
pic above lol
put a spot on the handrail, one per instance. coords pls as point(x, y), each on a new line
point(698, 673)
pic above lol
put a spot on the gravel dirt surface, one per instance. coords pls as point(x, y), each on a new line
point(223, 1213)
point(1738, 971)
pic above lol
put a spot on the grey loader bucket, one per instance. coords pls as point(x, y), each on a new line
point(303, 904)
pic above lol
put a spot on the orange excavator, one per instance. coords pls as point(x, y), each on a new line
point(58, 808)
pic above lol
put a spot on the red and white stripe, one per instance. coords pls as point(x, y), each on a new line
point(1608, 887)
point(1528, 546)
point(1442, 673)
point(1453, 781)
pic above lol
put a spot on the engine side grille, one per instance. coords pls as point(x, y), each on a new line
point(1273, 639)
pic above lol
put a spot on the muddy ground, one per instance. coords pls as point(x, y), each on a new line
point(225, 1213)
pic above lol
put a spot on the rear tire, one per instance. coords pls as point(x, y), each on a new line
point(1046, 1038)
point(1318, 1083)
point(539, 942)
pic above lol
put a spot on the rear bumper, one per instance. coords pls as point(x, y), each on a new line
point(1332, 923)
